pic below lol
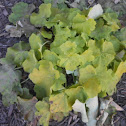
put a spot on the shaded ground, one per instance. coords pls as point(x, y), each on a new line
point(10, 116)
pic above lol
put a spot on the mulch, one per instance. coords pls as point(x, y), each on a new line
point(11, 116)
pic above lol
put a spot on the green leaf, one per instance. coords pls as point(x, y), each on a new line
point(18, 53)
point(46, 34)
point(121, 34)
point(43, 110)
point(31, 62)
point(59, 103)
point(20, 10)
point(58, 84)
point(116, 43)
point(101, 31)
point(112, 20)
point(36, 43)
point(61, 35)
point(80, 24)
point(39, 19)
point(44, 78)
point(50, 56)
point(76, 93)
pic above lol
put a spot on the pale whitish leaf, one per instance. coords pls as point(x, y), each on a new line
point(92, 104)
point(95, 12)
point(118, 108)
point(80, 107)
point(14, 32)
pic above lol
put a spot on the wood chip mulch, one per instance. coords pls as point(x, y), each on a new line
point(10, 116)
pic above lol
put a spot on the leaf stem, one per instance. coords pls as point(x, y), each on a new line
point(24, 80)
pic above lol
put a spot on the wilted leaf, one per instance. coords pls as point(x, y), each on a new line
point(27, 107)
point(10, 86)
point(14, 31)
point(59, 103)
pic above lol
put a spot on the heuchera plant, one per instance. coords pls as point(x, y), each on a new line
point(68, 41)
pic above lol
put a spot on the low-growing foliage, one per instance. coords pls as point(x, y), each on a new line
point(68, 40)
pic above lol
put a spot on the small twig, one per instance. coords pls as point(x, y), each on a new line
point(24, 81)
point(75, 122)
point(116, 120)
point(69, 121)
point(63, 121)
point(17, 68)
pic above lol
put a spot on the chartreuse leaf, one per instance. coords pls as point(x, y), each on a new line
point(93, 47)
point(63, 17)
point(92, 87)
point(46, 34)
point(59, 103)
point(18, 53)
point(20, 10)
point(70, 62)
point(86, 74)
point(76, 93)
point(50, 56)
point(31, 62)
point(61, 35)
point(80, 24)
point(68, 48)
point(121, 69)
point(58, 84)
point(43, 110)
point(106, 55)
point(87, 56)
point(44, 78)
point(112, 20)
point(80, 43)
point(39, 19)
point(107, 79)
point(36, 43)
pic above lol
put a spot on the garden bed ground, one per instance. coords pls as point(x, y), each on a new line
point(10, 116)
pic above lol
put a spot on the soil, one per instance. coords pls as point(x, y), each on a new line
point(11, 116)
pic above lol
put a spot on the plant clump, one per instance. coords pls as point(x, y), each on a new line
point(67, 41)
